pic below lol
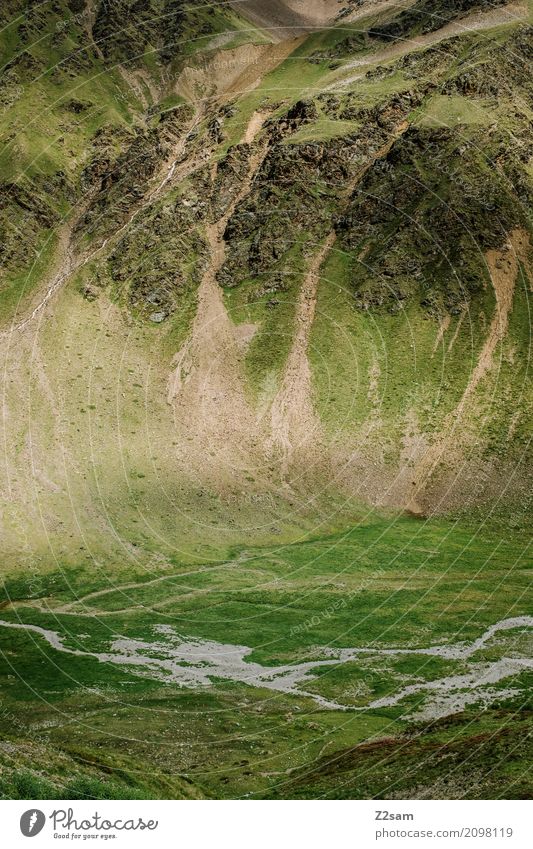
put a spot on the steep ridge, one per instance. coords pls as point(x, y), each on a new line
point(504, 268)
point(473, 22)
point(232, 72)
point(72, 259)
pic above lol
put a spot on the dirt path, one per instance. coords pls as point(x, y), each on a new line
point(475, 22)
point(294, 421)
point(123, 588)
point(503, 267)
point(69, 262)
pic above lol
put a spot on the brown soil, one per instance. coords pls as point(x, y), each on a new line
point(69, 260)
point(293, 418)
point(231, 72)
point(284, 19)
point(64, 266)
point(443, 327)
point(221, 75)
point(212, 414)
point(218, 432)
point(372, 7)
point(135, 79)
point(255, 125)
point(503, 269)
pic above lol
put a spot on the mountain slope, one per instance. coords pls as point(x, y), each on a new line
point(327, 280)
point(265, 336)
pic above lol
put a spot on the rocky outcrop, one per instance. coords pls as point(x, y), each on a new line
point(120, 182)
point(297, 193)
point(160, 259)
point(126, 29)
point(429, 15)
point(421, 216)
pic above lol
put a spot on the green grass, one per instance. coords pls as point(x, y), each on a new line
point(221, 22)
point(15, 292)
point(387, 581)
point(42, 137)
point(293, 79)
point(323, 130)
point(274, 315)
point(383, 366)
point(446, 111)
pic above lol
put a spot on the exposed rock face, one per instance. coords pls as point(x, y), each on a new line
point(438, 260)
point(298, 191)
point(120, 183)
point(126, 29)
point(268, 225)
point(159, 259)
point(108, 164)
point(231, 171)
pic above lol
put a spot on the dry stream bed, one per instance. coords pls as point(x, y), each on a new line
point(195, 663)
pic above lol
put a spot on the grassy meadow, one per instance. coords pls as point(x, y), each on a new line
point(389, 581)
